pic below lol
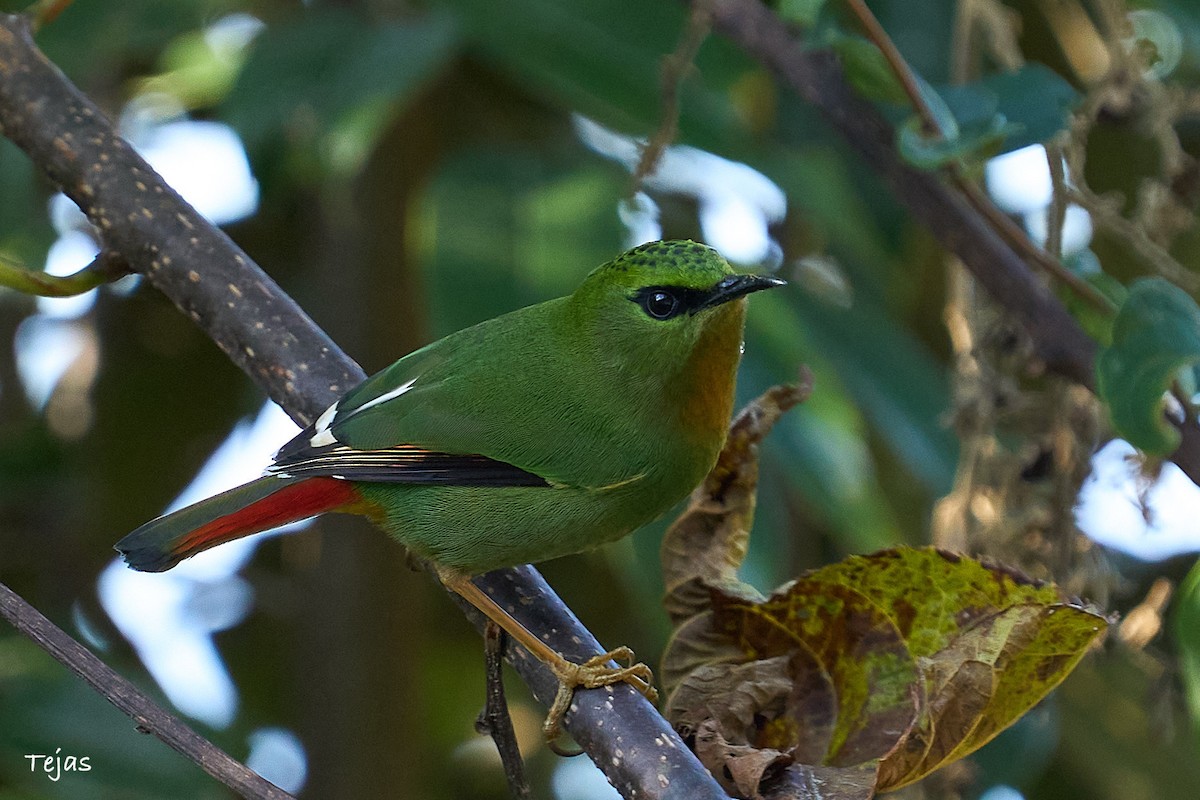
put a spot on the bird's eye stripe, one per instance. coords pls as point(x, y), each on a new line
point(683, 299)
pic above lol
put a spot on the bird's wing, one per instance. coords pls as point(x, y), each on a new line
point(386, 430)
point(403, 464)
point(497, 404)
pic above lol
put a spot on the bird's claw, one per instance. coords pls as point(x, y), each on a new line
point(592, 674)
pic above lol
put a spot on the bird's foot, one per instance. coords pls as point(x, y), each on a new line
point(592, 674)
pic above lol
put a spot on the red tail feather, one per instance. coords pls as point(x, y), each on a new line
point(253, 507)
point(291, 503)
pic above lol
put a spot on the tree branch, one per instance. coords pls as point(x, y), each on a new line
point(263, 331)
point(494, 720)
point(148, 715)
point(104, 268)
point(818, 78)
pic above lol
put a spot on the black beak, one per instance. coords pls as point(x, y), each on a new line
point(736, 286)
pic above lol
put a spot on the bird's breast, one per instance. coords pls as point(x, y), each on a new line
point(707, 386)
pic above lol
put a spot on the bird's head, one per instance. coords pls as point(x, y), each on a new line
point(666, 295)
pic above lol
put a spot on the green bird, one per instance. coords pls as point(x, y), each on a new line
point(540, 433)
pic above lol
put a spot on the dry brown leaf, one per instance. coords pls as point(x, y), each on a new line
point(862, 676)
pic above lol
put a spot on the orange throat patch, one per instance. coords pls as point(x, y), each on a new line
point(711, 373)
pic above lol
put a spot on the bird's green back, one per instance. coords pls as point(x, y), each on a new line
point(618, 411)
point(581, 389)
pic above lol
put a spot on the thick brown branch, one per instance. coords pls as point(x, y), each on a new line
point(162, 237)
point(129, 699)
point(265, 333)
point(817, 77)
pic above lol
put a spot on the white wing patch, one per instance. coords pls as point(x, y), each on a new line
point(323, 436)
point(383, 398)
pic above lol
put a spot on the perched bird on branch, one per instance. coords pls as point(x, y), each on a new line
point(540, 433)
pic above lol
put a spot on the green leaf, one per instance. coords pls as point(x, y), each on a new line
point(1156, 334)
point(602, 58)
point(1187, 636)
point(320, 71)
point(866, 68)
point(928, 152)
point(1096, 323)
point(802, 12)
point(998, 114)
point(945, 118)
point(966, 129)
point(1035, 101)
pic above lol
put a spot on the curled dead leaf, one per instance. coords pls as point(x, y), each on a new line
point(705, 546)
point(861, 676)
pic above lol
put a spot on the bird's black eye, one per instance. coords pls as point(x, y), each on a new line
point(660, 304)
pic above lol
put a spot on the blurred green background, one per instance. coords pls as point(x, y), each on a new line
point(421, 167)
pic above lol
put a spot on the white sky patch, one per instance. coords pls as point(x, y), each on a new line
point(1019, 183)
point(45, 349)
point(277, 754)
point(73, 251)
point(1109, 510)
point(639, 215)
point(65, 216)
point(151, 611)
point(231, 34)
point(1076, 232)
point(737, 202)
point(170, 617)
point(205, 162)
point(1002, 793)
point(580, 779)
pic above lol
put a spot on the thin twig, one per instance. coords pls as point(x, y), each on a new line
point(1107, 215)
point(1015, 235)
point(1000, 222)
point(900, 68)
point(148, 715)
point(1056, 214)
point(495, 720)
point(675, 68)
point(104, 268)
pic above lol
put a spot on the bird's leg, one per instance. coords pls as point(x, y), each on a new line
point(593, 673)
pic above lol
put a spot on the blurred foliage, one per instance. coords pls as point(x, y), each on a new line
point(1156, 335)
point(421, 169)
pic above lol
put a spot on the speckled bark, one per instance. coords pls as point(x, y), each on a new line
point(160, 236)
